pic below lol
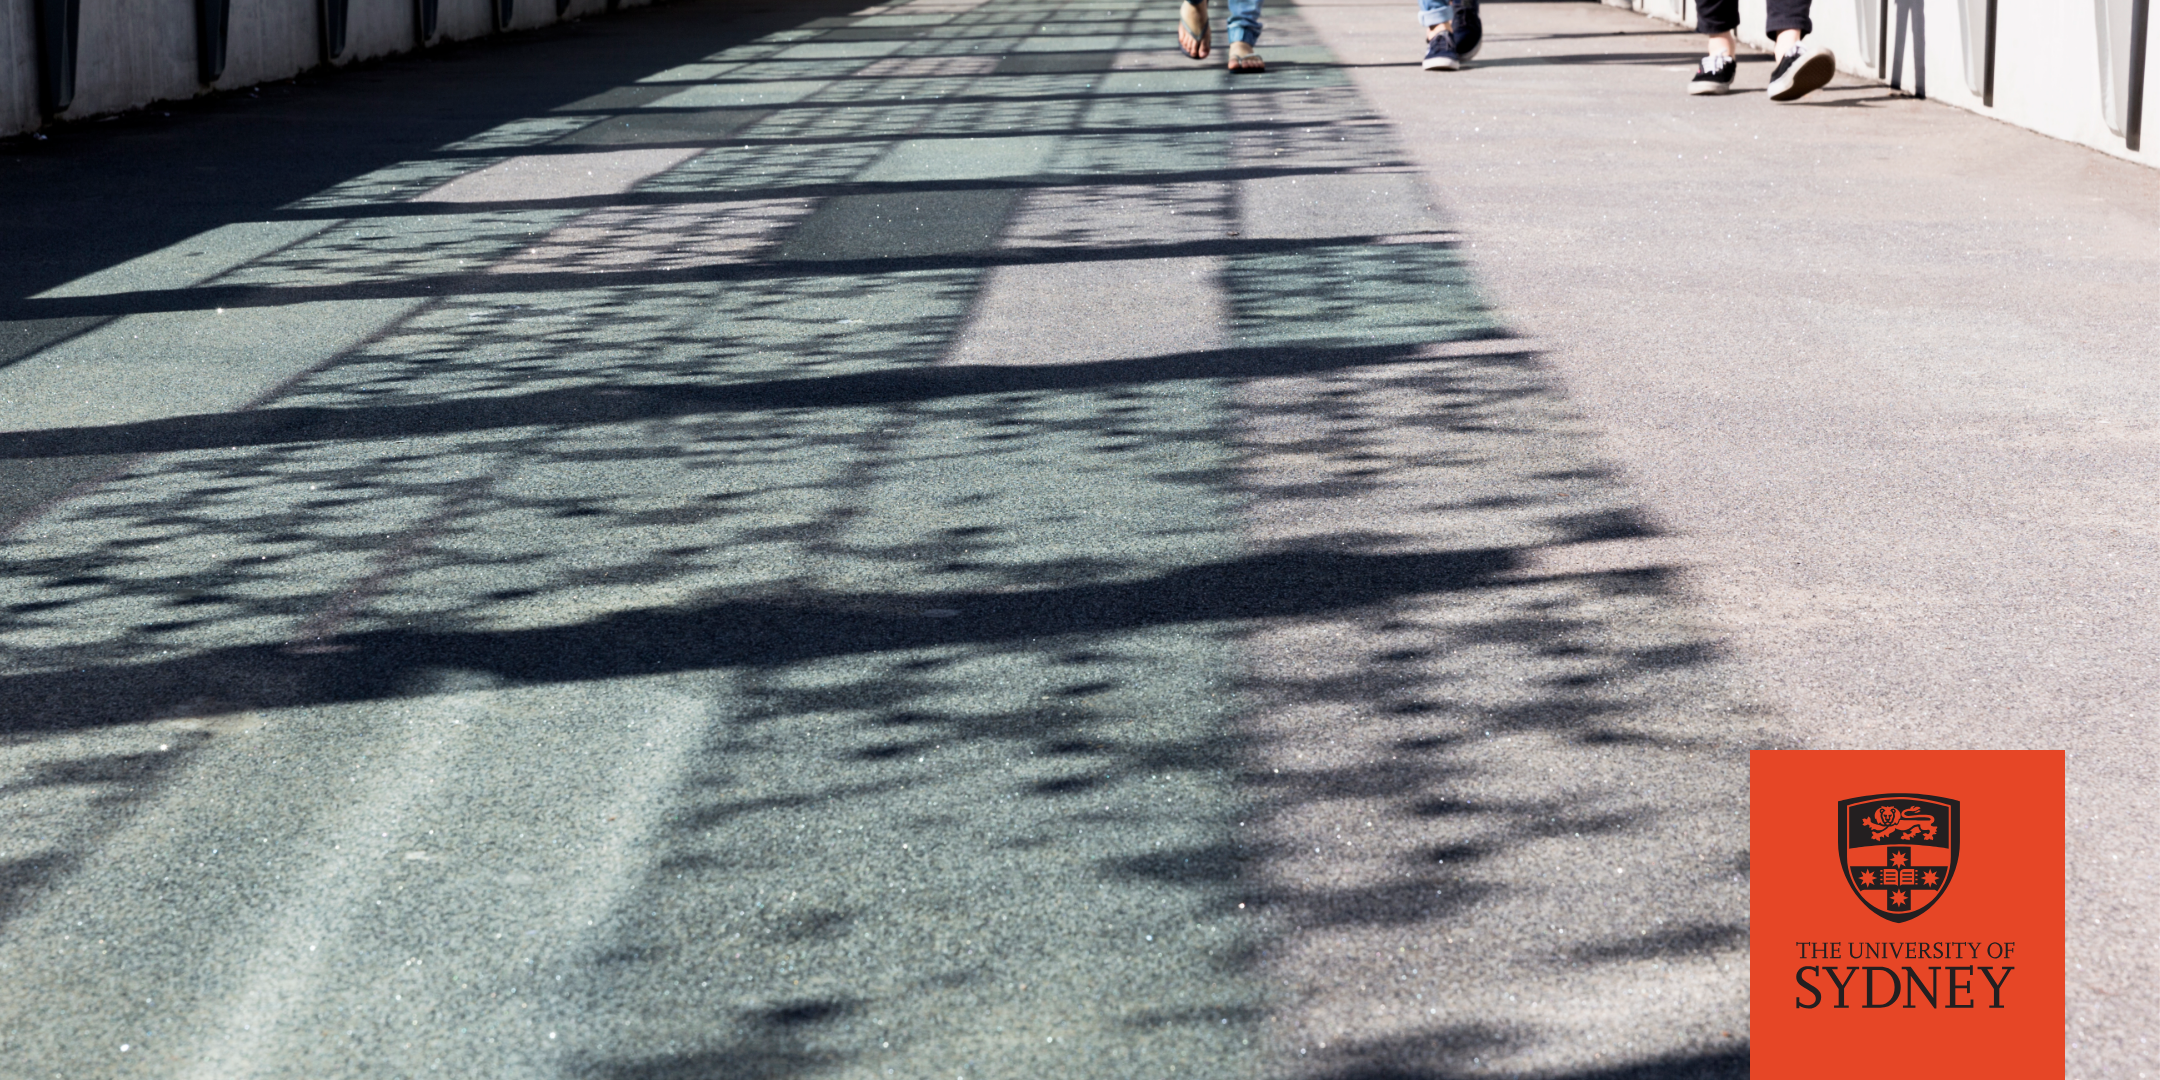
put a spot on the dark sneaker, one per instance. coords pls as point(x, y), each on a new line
point(1714, 76)
point(1802, 70)
point(1440, 53)
point(1469, 30)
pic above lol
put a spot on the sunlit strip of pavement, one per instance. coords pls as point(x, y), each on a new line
point(1476, 795)
point(1883, 369)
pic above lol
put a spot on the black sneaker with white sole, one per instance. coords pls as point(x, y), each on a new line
point(1440, 53)
point(1469, 30)
point(1714, 76)
point(1801, 70)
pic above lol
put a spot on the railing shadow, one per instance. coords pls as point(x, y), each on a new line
point(110, 192)
point(1169, 711)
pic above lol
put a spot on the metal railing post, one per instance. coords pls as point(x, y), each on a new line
point(57, 22)
point(1987, 92)
point(2134, 108)
point(1882, 40)
point(2123, 26)
point(1976, 30)
point(333, 18)
point(213, 18)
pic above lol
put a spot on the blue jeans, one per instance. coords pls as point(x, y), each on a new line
point(1435, 12)
point(1245, 21)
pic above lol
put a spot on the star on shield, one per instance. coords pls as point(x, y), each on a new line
point(1898, 851)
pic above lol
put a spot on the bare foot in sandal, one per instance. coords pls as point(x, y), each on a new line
point(1243, 58)
point(1192, 29)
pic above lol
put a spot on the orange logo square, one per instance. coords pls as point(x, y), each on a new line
point(1860, 945)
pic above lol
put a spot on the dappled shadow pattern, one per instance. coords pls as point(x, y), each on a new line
point(1128, 700)
point(778, 1047)
point(1491, 823)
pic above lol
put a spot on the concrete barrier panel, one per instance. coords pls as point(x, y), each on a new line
point(269, 39)
point(378, 28)
point(463, 19)
point(131, 53)
point(1867, 38)
point(1849, 28)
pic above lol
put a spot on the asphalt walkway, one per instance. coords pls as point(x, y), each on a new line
point(947, 540)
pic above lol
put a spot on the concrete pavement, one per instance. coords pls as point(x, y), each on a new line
point(1883, 370)
point(946, 539)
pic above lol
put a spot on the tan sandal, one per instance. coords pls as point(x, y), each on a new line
point(1244, 59)
point(1192, 29)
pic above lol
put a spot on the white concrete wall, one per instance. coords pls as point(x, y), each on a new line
point(377, 28)
point(467, 18)
point(2059, 64)
point(133, 52)
point(266, 39)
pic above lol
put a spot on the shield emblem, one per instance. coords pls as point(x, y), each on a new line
point(1898, 851)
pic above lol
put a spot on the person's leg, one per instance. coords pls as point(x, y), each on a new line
point(1453, 32)
point(1244, 29)
point(1716, 20)
point(1468, 29)
point(1192, 30)
point(1245, 21)
point(1801, 68)
point(1789, 22)
point(1437, 15)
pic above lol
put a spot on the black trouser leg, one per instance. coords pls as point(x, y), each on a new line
point(1789, 15)
point(1714, 17)
point(1723, 16)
